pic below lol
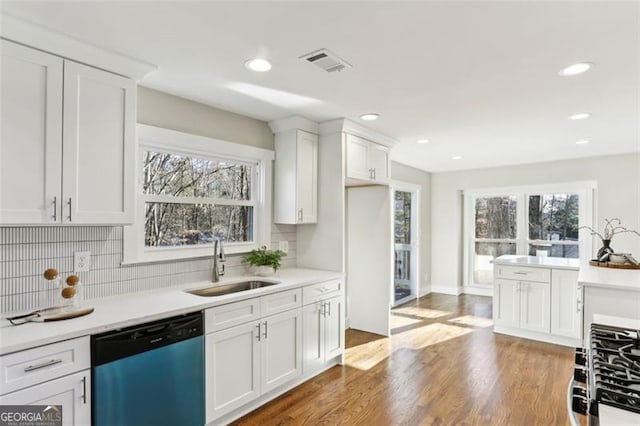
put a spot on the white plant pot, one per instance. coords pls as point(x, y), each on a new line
point(263, 271)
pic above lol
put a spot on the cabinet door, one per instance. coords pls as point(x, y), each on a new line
point(506, 303)
point(357, 158)
point(232, 368)
point(379, 162)
point(333, 330)
point(281, 346)
point(307, 177)
point(99, 143)
point(565, 304)
point(313, 337)
point(535, 306)
point(31, 135)
point(72, 392)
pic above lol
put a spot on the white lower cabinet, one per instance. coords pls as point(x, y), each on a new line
point(537, 303)
point(72, 392)
point(248, 360)
point(566, 304)
point(322, 338)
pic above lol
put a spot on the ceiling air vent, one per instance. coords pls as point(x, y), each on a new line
point(326, 60)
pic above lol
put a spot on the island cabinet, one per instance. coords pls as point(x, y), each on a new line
point(537, 302)
point(67, 142)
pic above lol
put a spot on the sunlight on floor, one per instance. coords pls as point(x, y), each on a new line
point(417, 311)
point(398, 321)
point(473, 321)
point(368, 355)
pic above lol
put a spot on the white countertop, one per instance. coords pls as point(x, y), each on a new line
point(538, 262)
point(595, 276)
point(136, 308)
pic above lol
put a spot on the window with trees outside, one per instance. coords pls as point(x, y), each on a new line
point(193, 190)
point(534, 221)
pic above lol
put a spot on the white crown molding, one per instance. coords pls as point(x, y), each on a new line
point(347, 126)
point(293, 122)
point(41, 38)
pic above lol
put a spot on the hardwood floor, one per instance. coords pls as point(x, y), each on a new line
point(443, 365)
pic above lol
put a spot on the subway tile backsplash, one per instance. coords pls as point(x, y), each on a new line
point(26, 252)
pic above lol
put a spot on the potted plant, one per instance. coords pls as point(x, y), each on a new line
point(264, 262)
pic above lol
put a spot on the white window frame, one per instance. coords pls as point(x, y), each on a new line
point(586, 190)
point(170, 141)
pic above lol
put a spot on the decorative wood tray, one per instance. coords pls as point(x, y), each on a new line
point(613, 265)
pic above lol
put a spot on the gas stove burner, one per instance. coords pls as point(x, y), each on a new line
point(615, 366)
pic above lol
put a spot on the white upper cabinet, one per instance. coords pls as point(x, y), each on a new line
point(64, 162)
point(296, 174)
point(366, 162)
point(31, 135)
point(99, 144)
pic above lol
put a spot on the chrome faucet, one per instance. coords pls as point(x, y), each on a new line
point(218, 260)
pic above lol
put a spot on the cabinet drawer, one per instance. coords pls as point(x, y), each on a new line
point(26, 368)
point(225, 316)
point(280, 302)
point(320, 291)
point(520, 273)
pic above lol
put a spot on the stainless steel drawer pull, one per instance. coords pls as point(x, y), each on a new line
point(43, 365)
point(55, 209)
point(521, 273)
point(329, 308)
point(84, 390)
point(69, 203)
point(259, 332)
point(265, 329)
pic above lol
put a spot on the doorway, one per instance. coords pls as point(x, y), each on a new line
point(405, 230)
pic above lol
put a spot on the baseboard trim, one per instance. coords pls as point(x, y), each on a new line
point(478, 291)
point(423, 291)
point(543, 337)
point(453, 291)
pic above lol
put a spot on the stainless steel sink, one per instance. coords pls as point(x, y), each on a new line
point(219, 290)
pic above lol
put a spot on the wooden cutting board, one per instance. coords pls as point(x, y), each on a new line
point(613, 265)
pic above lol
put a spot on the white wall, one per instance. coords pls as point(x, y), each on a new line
point(404, 173)
point(618, 195)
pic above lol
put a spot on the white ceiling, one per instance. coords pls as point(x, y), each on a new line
point(477, 78)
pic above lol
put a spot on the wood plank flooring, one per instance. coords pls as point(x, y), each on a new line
point(443, 365)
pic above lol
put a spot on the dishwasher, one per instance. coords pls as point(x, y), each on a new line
point(150, 374)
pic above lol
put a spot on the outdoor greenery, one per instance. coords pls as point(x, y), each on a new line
point(191, 201)
point(264, 257)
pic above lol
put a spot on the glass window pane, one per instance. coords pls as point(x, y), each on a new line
point(554, 217)
point(554, 250)
point(484, 254)
point(496, 217)
point(184, 176)
point(402, 218)
point(171, 224)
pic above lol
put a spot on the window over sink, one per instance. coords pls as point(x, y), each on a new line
point(192, 190)
point(540, 220)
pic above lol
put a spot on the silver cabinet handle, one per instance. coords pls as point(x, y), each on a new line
point(265, 329)
point(323, 311)
point(374, 174)
point(69, 204)
point(329, 308)
point(259, 333)
point(300, 215)
point(43, 365)
point(55, 209)
point(521, 273)
point(84, 389)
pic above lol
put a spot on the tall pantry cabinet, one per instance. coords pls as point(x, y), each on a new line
point(67, 143)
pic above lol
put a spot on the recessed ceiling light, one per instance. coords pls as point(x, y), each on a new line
point(259, 65)
point(580, 116)
point(576, 69)
point(582, 142)
point(370, 116)
point(423, 141)
point(456, 157)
